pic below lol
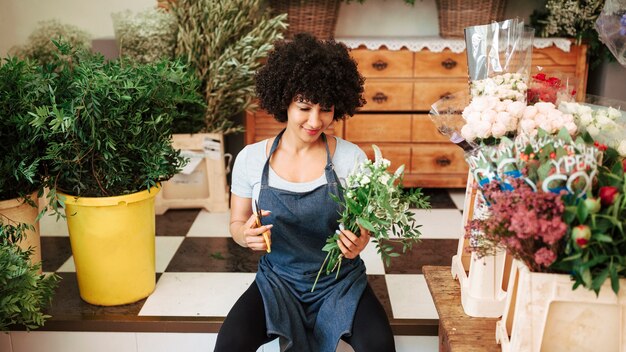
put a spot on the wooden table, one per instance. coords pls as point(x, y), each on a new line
point(457, 331)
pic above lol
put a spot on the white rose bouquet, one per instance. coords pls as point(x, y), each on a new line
point(507, 86)
point(374, 199)
point(607, 125)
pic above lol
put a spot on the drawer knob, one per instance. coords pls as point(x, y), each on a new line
point(443, 161)
point(446, 96)
point(379, 98)
point(448, 64)
point(379, 65)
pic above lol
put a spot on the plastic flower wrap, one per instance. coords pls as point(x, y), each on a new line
point(611, 27)
point(374, 199)
point(550, 89)
point(498, 58)
point(604, 119)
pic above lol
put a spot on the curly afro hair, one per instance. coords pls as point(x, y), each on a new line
point(321, 72)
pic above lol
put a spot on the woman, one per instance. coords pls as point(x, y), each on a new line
point(308, 84)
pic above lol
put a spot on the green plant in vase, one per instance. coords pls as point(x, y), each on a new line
point(107, 128)
point(24, 291)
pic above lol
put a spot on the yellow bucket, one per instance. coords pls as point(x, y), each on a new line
point(112, 242)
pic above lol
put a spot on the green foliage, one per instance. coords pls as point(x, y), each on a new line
point(24, 293)
point(21, 89)
point(603, 257)
point(39, 46)
point(573, 19)
point(146, 36)
point(225, 42)
point(107, 125)
point(375, 200)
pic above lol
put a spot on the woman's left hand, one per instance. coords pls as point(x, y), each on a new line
point(350, 244)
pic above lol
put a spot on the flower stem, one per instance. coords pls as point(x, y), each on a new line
point(320, 272)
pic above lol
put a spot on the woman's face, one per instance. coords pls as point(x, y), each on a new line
point(308, 120)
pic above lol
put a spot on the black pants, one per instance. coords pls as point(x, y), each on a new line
point(244, 328)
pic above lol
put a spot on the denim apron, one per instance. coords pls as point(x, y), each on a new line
point(306, 321)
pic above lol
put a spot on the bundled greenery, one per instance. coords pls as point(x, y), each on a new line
point(107, 125)
point(375, 200)
point(39, 46)
point(21, 89)
point(574, 19)
point(224, 41)
point(147, 36)
point(24, 293)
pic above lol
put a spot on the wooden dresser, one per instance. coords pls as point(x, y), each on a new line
point(400, 86)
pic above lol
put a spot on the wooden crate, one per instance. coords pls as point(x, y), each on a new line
point(543, 313)
point(205, 187)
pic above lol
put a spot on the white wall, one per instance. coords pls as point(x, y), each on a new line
point(18, 18)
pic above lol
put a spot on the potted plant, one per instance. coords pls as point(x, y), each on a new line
point(24, 292)
point(224, 42)
point(107, 129)
point(21, 88)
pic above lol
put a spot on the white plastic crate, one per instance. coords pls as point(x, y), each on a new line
point(483, 281)
point(543, 313)
point(203, 184)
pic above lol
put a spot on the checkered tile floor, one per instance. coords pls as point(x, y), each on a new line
point(201, 272)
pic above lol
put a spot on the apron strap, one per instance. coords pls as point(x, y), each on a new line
point(329, 170)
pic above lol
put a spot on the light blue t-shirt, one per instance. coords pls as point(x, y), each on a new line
point(246, 179)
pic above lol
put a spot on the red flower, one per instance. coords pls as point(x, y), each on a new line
point(607, 195)
point(624, 165)
point(540, 76)
point(582, 242)
point(581, 235)
point(554, 82)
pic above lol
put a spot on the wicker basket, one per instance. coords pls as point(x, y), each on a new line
point(455, 15)
point(318, 17)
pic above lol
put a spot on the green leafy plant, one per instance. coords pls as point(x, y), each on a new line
point(21, 89)
point(107, 125)
point(24, 293)
point(39, 46)
point(225, 42)
point(375, 199)
point(574, 19)
point(146, 36)
point(597, 233)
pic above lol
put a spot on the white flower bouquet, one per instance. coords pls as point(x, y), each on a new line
point(507, 86)
point(375, 199)
point(604, 119)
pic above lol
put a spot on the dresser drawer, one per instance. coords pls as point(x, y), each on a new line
point(443, 64)
point(378, 128)
point(424, 130)
point(397, 154)
point(427, 91)
point(444, 158)
point(384, 63)
point(388, 95)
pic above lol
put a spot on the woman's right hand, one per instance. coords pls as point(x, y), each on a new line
point(253, 235)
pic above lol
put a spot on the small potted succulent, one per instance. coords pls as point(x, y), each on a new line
point(107, 132)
